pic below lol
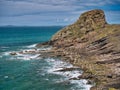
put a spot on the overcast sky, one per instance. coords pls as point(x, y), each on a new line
point(53, 12)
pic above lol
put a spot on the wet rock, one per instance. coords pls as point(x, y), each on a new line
point(91, 82)
point(86, 76)
point(109, 76)
point(45, 44)
point(13, 53)
point(92, 44)
point(75, 78)
point(67, 69)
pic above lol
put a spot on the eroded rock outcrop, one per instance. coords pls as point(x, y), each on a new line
point(93, 45)
point(87, 22)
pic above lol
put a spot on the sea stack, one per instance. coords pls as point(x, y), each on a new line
point(92, 44)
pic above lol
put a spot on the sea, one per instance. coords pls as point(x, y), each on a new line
point(28, 71)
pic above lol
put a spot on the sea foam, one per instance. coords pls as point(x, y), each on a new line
point(26, 54)
point(32, 46)
point(70, 76)
point(28, 57)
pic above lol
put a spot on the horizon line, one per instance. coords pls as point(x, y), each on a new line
point(32, 26)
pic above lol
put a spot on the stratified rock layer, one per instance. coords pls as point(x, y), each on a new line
point(87, 22)
point(93, 45)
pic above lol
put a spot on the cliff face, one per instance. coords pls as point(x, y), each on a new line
point(93, 45)
point(87, 22)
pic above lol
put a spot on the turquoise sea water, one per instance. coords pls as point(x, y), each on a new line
point(30, 72)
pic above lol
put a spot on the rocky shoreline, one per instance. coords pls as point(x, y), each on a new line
point(93, 45)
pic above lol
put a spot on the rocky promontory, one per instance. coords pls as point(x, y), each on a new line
point(93, 45)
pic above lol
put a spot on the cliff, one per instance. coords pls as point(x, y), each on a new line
point(94, 45)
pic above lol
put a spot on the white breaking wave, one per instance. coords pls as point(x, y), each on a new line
point(45, 48)
point(32, 46)
point(28, 54)
point(25, 54)
point(71, 76)
point(25, 57)
point(28, 57)
point(22, 51)
point(61, 65)
point(29, 51)
point(80, 83)
point(54, 66)
point(6, 53)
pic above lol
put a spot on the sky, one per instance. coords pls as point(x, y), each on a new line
point(54, 12)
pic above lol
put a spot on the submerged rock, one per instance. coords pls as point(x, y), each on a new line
point(13, 53)
point(67, 69)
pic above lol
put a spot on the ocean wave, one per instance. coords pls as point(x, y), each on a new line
point(54, 66)
point(80, 85)
point(6, 53)
point(27, 54)
point(21, 51)
point(28, 50)
point(3, 47)
point(25, 57)
point(70, 76)
point(28, 57)
point(32, 46)
point(24, 51)
point(58, 65)
point(0, 56)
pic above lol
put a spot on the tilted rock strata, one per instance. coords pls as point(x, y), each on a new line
point(93, 45)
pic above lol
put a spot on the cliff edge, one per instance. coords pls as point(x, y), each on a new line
point(94, 45)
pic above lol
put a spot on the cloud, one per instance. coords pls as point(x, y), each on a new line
point(26, 8)
point(113, 17)
point(56, 11)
